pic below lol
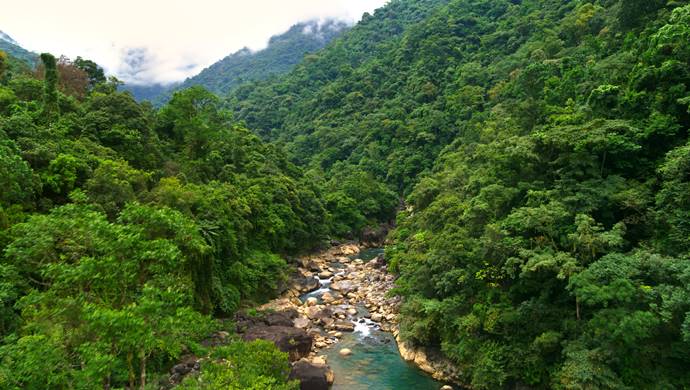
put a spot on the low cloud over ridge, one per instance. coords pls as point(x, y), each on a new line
point(163, 41)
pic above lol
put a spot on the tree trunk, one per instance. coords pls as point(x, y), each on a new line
point(142, 376)
point(130, 367)
point(577, 308)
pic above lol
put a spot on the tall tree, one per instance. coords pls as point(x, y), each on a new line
point(50, 96)
point(95, 72)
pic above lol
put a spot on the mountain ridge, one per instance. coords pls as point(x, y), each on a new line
point(283, 52)
point(10, 46)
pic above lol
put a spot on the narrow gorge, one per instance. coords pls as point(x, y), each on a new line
point(339, 298)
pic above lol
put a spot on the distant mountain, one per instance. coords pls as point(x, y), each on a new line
point(12, 47)
point(151, 93)
point(283, 52)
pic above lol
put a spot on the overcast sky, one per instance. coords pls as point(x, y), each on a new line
point(168, 40)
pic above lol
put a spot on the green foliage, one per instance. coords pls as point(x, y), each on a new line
point(3, 64)
point(16, 177)
point(122, 229)
point(50, 95)
point(102, 293)
point(547, 248)
point(65, 173)
point(356, 199)
point(347, 103)
point(115, 183)
point(95, 72)
point(540, 149)
point(257, 365)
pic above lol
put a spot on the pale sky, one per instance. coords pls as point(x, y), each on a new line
point(171, 39)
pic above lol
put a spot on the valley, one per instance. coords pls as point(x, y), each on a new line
point(480, 194)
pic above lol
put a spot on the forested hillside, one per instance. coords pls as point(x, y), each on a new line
point(541, 147)
point(283, 52)
point(534, 155)
point(123, 230)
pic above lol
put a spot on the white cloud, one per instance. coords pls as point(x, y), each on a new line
point(168, 39)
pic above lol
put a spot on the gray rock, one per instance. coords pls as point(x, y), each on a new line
point(310, 376)
point(344, 286)
point(344, 326)
point(301, 323)
point(296, 342)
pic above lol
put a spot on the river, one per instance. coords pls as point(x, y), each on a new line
point(375, 362)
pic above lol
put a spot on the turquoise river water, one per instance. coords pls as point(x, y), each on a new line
point(375, 362)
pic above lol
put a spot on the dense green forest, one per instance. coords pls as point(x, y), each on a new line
point(534, 154)
point(542, 149)
point(123, 229)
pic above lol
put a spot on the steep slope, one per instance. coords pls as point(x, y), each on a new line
point(370, 99)
point(148, 223)
point(283, 52)
point(542, 147)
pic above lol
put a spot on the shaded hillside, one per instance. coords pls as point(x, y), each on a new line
point(369, 99)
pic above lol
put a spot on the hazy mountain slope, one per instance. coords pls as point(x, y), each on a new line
point(368, 98)
point(11, 47)
point(283, 52)
point(150, 93)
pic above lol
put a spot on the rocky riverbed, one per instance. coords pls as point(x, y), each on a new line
point(336, 293)
point(339, 328)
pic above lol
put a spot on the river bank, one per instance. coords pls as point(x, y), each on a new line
point(339, 298)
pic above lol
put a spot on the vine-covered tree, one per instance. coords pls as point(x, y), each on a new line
point(50, 79)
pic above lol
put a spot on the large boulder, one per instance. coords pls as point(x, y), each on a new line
point(343, 286)
point(244, 320)
point(327, 297)
point(309, 284)
point(301, 323)
point(189, 364)
point(283, 318)
point(311, 376)
point(378, 261)
point(319, 313)
point(296, 342)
